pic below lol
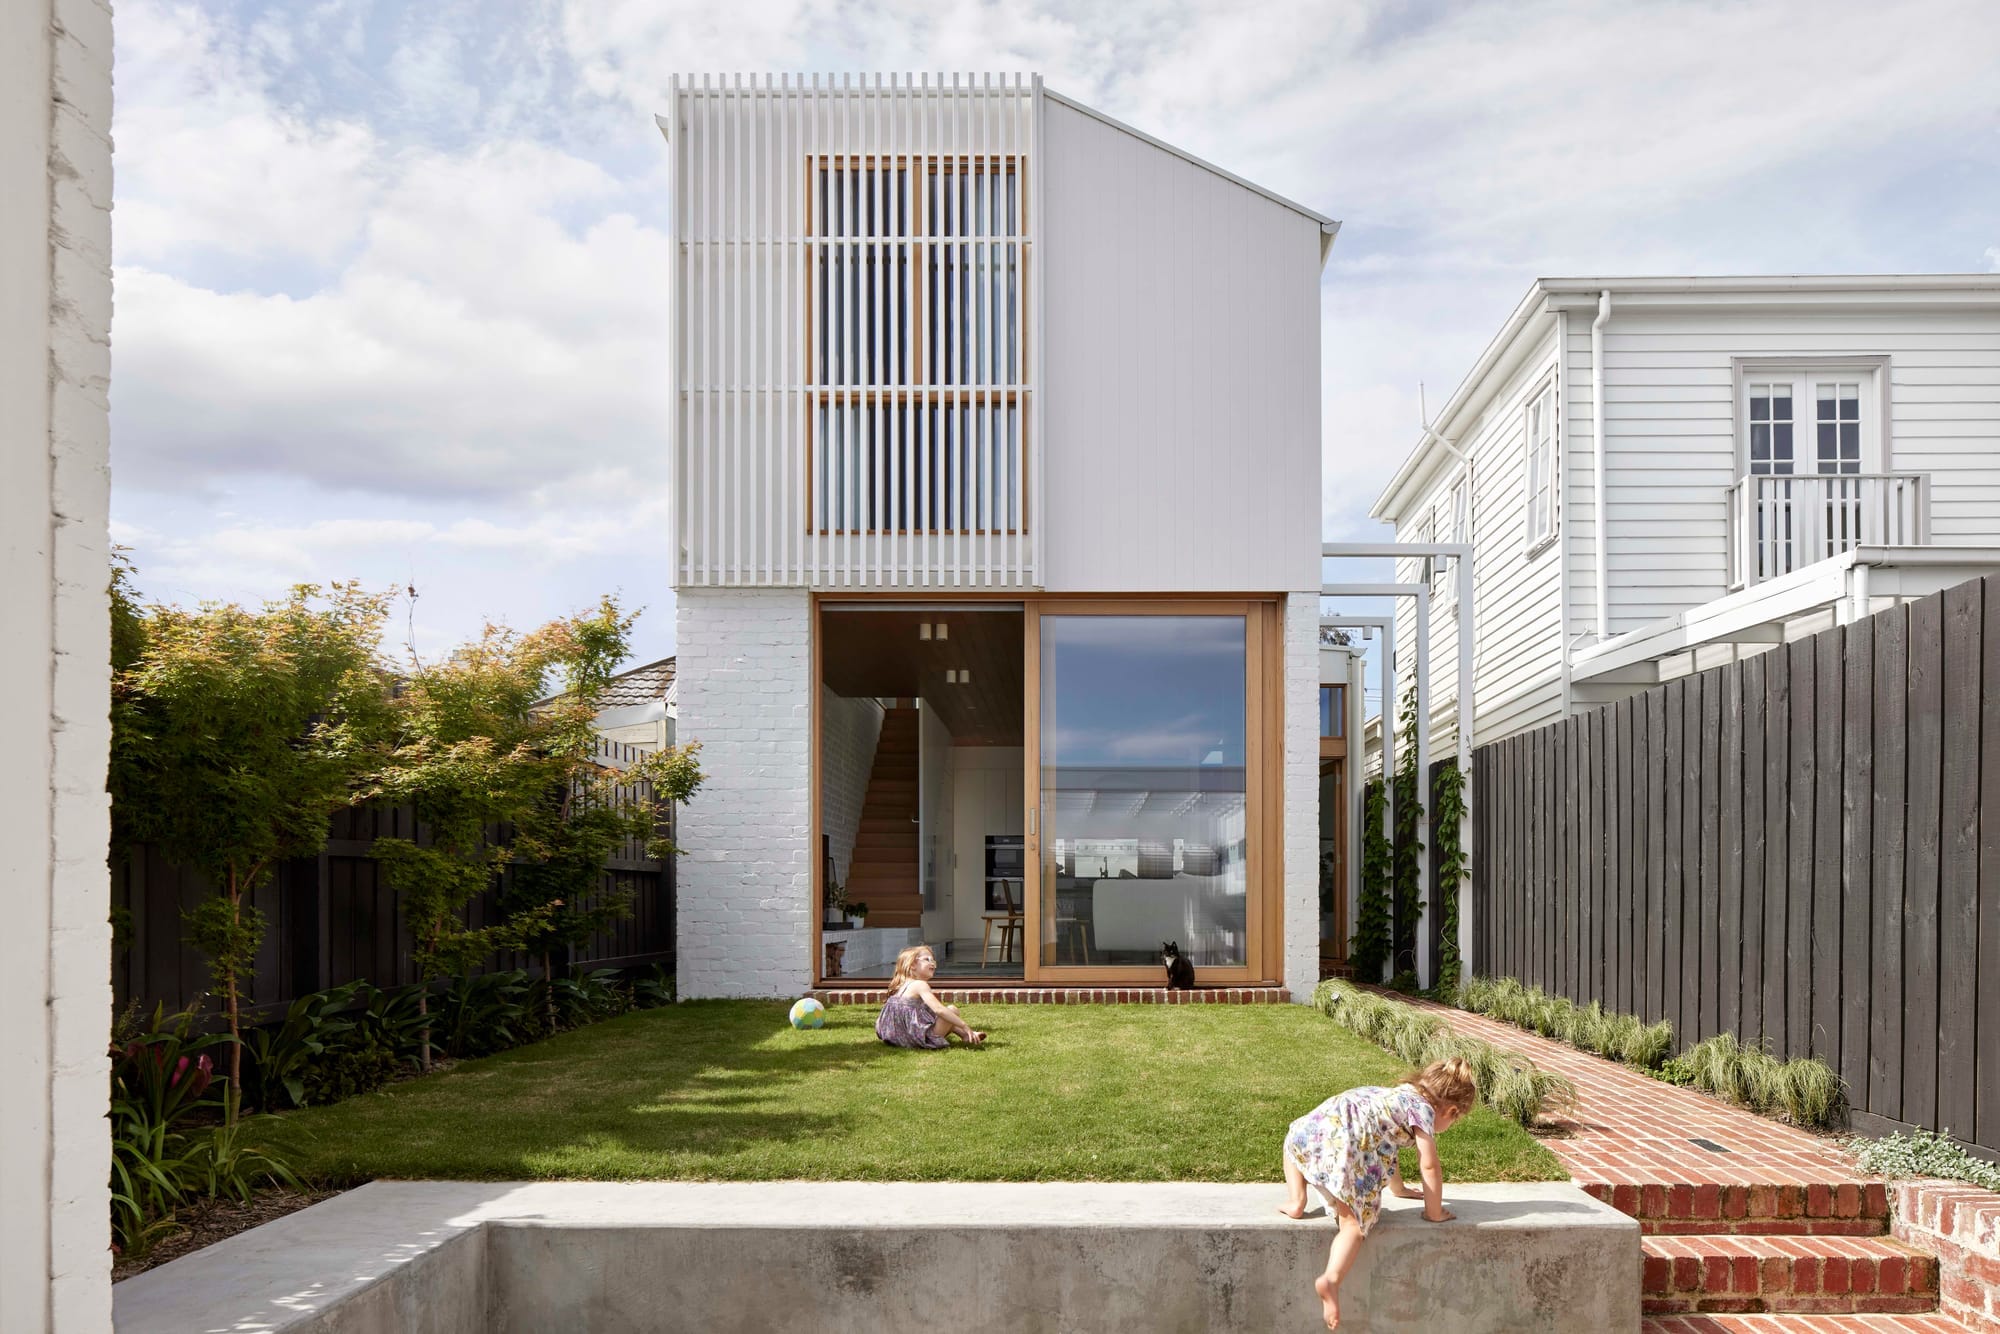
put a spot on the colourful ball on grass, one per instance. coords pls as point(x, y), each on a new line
point(808, 1013)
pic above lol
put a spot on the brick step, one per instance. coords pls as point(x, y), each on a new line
point(1801, 1324)
point(1832, 1209)
point(1813, 1274)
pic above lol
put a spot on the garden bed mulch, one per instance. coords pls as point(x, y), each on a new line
point(215, 1220)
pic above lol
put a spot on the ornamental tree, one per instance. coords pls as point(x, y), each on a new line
point(236, 734)
point(586, 809)
point(477, 748)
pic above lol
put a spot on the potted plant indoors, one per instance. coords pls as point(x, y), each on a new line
point(836, 906)
point(857, 914)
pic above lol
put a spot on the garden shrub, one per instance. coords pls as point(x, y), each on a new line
point(1924, 1154)
point(167, 1149)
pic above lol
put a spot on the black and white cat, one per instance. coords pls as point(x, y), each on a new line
point(1180, 973)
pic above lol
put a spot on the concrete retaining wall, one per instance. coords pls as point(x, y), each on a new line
point(880, 1257)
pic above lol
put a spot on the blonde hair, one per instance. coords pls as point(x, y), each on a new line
point(904, 962)
point(1446, 1084)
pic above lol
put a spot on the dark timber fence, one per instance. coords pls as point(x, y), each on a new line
point(330, 919)
point(1802, 848)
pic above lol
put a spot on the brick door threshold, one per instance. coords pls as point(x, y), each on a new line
point(1018, 994)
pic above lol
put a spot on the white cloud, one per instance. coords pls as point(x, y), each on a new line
point(401, 268)
point(208, 161)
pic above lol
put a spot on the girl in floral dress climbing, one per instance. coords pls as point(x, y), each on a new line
point(1347, 1147)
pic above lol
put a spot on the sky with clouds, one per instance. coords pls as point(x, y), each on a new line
point(390, 277)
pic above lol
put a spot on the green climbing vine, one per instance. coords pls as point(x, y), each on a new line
point(1407, 890)
point(1452, 870)
point(1368, 951)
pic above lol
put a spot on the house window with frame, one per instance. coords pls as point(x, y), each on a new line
point(1810, 448)
point(1454, 524)
point(1543, 502)
point(917, 324)
point(1810, 420)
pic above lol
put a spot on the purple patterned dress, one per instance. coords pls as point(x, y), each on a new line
point(906, 1021)
point(1347, 1145)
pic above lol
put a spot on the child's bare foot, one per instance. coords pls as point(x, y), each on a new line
point(1329, 1300)
point(1294, 1205)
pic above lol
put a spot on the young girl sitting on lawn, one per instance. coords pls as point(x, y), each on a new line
point(1347, 1148)
point(913, 1016)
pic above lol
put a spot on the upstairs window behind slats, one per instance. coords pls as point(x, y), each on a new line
point(918, 327)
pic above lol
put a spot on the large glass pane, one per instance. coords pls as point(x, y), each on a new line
point(1143, 802)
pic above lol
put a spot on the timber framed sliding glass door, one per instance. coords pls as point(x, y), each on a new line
point(1152, 782)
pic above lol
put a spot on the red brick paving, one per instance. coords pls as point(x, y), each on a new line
point(1801, 1324)
point(1781, 1218)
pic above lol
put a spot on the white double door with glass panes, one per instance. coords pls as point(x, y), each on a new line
point(1810, 456)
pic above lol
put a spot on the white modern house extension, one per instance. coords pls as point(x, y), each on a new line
point(1777, 455)
point(995, 440)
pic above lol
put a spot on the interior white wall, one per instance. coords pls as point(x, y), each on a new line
point(848, 732)
point(55, 985)
point(937, 789)
point(987, 800)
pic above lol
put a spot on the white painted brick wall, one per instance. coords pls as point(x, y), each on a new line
point(746, 692)
point(848, 731)
point(1301, 615)
point(55, 1150)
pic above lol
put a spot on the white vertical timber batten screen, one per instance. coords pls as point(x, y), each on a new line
point(854, 333)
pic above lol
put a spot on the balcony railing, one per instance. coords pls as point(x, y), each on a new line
point(1783, 522)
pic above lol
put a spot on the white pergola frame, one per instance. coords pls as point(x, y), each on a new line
point(1461, 553)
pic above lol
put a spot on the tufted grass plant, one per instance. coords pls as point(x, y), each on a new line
point(1646, 1045)
point(1592, 1028)
point(1522, 1093)
point(1508, 1082)
point(1811, 1093)
point(1804, 1088)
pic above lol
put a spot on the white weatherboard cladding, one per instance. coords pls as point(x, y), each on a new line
point(1517, 662)
point(1182, 430)
point(1672, 450)
point(744, 421)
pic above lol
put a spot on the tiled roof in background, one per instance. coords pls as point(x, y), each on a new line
point(641, 685)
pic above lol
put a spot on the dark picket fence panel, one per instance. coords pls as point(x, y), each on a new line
point(329, 919)
point(1801, 848)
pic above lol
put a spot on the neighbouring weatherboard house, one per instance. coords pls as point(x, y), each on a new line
point(1778, 455)
point(995, 448)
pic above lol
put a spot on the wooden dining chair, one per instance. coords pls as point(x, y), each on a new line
point(1012, 924)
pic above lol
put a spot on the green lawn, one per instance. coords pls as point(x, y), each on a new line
point(724, 1090)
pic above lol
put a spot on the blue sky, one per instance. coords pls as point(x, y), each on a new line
point(390, 277)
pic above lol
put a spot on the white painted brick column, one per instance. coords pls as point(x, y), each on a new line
point(745, 884)
point(1301, 615)
point(55, 985)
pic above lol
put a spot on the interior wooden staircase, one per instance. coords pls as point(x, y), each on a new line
point(884, 871)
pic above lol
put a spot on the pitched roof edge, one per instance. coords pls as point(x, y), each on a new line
point(1327, 225)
